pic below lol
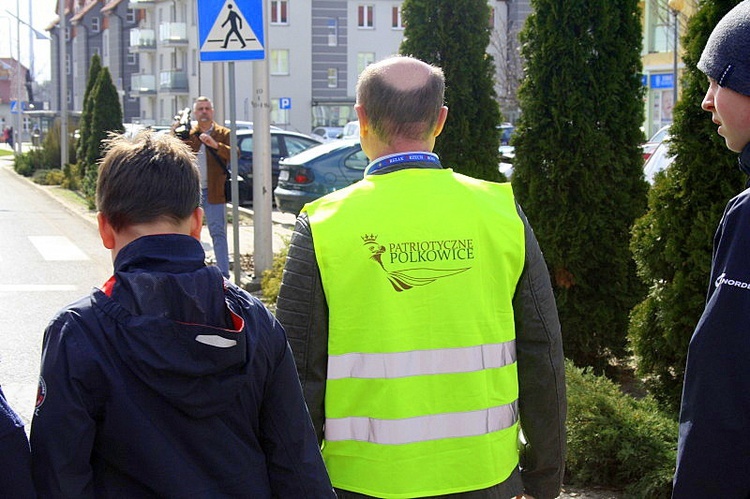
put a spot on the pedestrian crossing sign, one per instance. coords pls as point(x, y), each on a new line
point(230, 30)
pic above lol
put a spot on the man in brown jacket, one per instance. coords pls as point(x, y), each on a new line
point(211, 144)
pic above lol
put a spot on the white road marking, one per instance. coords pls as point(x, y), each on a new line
point(57, 248)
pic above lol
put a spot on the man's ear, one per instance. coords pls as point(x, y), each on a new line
point(362, 117)
point(196, 223)
point(106, 232)
point(442, 116)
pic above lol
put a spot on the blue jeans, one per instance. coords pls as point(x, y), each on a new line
point(216, 220)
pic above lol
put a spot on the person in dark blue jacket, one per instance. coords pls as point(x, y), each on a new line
point(169, 381)
point(15, 459)
point(713, 453)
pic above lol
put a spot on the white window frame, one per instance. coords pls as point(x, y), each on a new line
point(96, 24)
point(364, 59)
point(396, 10)
point(366, 16)
point(333, 78)
point(279, 8)
point(279, 62)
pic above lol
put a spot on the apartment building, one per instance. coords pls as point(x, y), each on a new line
point(664, 23)
point(315, 50)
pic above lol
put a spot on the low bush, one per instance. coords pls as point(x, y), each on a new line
point(270, 281)
point(616, 440)
point(54, 176)
point(27, 163)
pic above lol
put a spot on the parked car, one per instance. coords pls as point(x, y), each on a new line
point(506, 131)
point(326, 133)
point(318, 171)
point(507, 156)
point(658, 161)
point(650, 146)
point(283, 145)
point(351, 130)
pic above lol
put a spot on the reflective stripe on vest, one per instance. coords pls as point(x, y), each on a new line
point(421, 392)
point(423, 428)
point(421, 362)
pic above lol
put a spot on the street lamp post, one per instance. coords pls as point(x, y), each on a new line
point(676, 7)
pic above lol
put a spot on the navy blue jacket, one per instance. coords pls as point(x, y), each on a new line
point(15, 459)
point(713, 455)
point(171, 382)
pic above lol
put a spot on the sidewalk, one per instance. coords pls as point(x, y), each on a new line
point(282, 223)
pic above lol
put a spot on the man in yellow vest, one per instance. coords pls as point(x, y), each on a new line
point(422, 319)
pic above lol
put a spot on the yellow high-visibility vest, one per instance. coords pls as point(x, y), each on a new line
point(419, 268)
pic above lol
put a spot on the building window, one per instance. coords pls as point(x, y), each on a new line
point(333, 32)
point(67, 63)
point(95, 26)
point(130, 16)
point(396, 22)
point(67, 33)
point(364, 59)
point(132, 59)
point(333, 77)
point(96, 51)
point(279, 64)
point(279, 12)
point(365, 16)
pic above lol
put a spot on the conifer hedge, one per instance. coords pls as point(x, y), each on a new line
point(578, 170)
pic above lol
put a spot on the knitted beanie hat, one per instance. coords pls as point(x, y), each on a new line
point(726, 57)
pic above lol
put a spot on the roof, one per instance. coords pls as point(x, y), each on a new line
point(90, 4)
point(111, 6)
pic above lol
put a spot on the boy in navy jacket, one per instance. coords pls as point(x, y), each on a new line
point(169, 381)
point(713, 452)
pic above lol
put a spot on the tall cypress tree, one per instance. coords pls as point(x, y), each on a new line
point(454, 35)
point(578, 168)
point(88, 104)
point(672, 242)
point(106, 118)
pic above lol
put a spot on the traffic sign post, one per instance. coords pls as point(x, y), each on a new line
point(229, 31)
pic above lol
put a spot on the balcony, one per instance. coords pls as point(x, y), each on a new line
point(142, 40)
point(141, 4)
point(173, 34)
point(141, 84)
point(175, 81)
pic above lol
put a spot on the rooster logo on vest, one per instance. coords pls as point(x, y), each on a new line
point(404, 279)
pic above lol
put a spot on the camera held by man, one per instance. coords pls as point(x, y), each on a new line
point(182, 124)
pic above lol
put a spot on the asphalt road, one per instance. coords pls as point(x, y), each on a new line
point(49, 257)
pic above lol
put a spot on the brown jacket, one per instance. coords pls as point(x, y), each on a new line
point(216, 173)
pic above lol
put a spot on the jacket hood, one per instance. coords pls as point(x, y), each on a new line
point(174, 327)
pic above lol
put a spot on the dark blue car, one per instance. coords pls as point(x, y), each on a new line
point(284, 143)
point(318, 171)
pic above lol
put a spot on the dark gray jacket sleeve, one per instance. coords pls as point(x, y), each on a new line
point(541, 375)
point(302, 310)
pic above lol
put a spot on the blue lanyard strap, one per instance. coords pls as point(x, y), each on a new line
point(395, 159)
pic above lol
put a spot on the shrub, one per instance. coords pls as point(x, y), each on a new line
point(27, 163)
point(271, 280)
point(616, 440)
point(54, 176)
